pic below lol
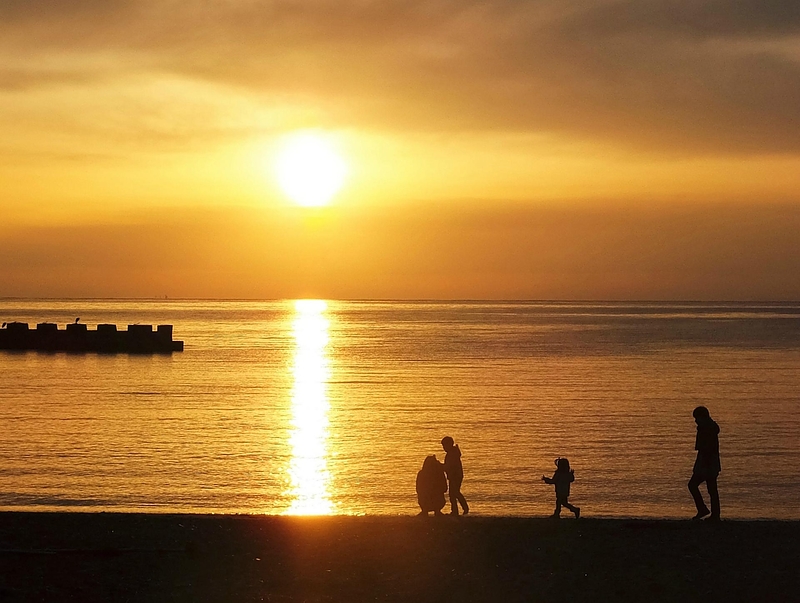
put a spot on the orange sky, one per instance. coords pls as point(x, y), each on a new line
point(591, 149)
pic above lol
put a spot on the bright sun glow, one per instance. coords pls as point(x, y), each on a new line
point(309, 170)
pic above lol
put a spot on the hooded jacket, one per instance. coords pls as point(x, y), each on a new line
point(707, 445)
point(452, 464)
point(561, 479)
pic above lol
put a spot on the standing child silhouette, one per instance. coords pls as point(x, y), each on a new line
point(562, 479)
point(455, 475)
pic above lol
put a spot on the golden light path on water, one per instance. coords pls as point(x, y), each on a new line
point(309, 478)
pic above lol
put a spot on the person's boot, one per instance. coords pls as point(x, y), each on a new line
point(701, 513)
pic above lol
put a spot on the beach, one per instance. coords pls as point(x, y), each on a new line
point(153, 557)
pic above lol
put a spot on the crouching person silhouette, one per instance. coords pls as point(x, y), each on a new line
point(706, 466)
point(562, 479)
point(431, 486)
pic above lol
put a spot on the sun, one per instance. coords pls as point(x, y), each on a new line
point(309, 169)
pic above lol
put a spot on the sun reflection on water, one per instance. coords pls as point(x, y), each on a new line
point(309, 478)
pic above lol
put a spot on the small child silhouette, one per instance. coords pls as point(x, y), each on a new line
point(455, 475)
point(562, 478)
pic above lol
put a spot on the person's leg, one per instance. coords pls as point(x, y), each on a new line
point(573, 508)
point(557, 512)
point(713, 493)
point(463, 502)
point(455, 492)
point(694, 483)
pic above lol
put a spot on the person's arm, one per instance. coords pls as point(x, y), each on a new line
point(446, 464)
point(547, 480)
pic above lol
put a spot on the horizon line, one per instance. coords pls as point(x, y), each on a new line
point(412, 300)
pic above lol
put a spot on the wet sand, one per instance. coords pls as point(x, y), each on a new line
point(139, 557)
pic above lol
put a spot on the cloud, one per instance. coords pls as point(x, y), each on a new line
point(662, 76)
point(690, 18)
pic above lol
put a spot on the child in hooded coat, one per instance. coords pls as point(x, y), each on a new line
point(562, 479)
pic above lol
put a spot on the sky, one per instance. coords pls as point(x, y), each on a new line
point(537, 149)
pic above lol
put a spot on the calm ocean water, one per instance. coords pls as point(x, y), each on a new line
point(330, 407)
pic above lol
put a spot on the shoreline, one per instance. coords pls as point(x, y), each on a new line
point(104, 556)
point(472, 516)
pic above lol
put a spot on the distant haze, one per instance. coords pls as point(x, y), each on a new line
point(498, 252)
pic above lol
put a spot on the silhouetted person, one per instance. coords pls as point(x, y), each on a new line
point(562, 479)
point(707, 466)
point(455, 475)
point(431, 486)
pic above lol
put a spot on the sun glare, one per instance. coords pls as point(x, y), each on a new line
point(309, 169)
point(309, 479)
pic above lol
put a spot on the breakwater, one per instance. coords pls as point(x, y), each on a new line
point(77, 337)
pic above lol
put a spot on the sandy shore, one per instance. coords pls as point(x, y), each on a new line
point(130, 557)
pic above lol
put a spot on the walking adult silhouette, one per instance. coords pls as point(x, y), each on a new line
point(707, 466)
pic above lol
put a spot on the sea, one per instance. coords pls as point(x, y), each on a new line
point(317, 407)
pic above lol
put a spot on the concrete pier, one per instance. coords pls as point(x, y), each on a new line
point(78, 338)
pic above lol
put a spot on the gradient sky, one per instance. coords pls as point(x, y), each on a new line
point(552, 149)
